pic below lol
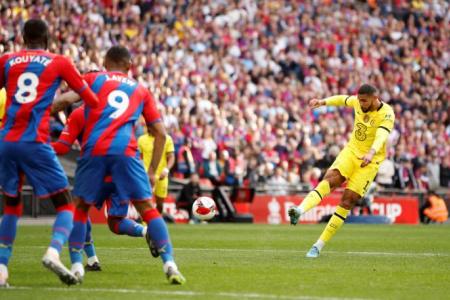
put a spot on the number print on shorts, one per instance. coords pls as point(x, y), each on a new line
point(360, 134)
point(120, 101)
point(27, 84)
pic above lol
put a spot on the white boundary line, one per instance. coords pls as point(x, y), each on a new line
point(185, 293)
point(358, 253)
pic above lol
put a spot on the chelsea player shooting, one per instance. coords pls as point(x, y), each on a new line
point(357, 164)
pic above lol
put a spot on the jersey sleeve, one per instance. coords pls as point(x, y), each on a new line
point(383, 130)
point(150, 112)
point(341, 100)
point(71, 131)
point(73, 78)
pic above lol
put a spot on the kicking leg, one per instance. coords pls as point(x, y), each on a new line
point(348, 201)
point(332, 180)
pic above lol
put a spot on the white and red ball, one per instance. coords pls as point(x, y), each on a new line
point(204, 208)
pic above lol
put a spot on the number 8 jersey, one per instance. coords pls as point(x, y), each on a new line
point(31, 78)
point(109, 128)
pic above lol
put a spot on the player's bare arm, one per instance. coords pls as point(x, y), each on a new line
point(64, 100)
point(170, 157)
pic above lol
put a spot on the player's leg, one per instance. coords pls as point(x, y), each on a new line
point(93, 264)
point(161, 188)
point(12, 211)
point(89, 178)
point(10, 180)
point(122, 225)
point(77, 238)
point(45, 173)
point(159, 234)
point(131, 182)
point(348, 201)
point(358, 184)
point(341, 169)
point(332, 179)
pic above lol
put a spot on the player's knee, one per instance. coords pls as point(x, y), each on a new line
point(334, 178)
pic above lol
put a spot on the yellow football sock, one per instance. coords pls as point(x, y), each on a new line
point(315, 196)
point(334, 224)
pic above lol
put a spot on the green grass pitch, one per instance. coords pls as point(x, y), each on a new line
point(249, 262)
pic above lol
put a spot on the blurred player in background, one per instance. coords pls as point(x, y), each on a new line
point(357, 163)
point(109, 147)
point(146, 144)
point(31, 78)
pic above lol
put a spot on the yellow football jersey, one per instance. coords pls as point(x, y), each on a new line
point(366, 125)
point(145, 144)
point(2, 105)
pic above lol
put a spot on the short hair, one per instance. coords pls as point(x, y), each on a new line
point(367, 89)
point(35, 31)
point(118, 55)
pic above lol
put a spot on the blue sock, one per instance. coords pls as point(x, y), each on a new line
point(62, 227)
point(77, 237)
point(89, 248)
point(130, 227)
point(159, 234)
point(8, 229)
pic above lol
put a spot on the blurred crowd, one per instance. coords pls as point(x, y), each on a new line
point(233, 78)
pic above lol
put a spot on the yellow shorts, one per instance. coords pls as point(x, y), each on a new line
point(161, 187)
point(349, 165)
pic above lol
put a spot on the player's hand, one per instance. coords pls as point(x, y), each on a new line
point(315, 103)
point(164, 174)
point(367, 159)
point(152, 177)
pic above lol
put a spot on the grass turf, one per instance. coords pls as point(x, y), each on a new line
point(249, 262)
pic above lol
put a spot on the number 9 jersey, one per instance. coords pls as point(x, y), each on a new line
point(109, 128)
point(31, 78)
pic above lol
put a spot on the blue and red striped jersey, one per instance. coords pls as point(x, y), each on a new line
point(109, 128)
point(31, 78)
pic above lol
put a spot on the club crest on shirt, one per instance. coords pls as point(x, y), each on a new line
point(366, 119)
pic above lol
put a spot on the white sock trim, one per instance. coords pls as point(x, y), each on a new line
point(4, 270)
point(168, 264)
point(53, 252)
point(144, 230)
point(319, 244)
point(92, 260)
point(77, 267)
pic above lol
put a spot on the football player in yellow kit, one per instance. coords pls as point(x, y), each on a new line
point(357, 163)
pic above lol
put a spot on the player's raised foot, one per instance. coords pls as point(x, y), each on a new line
point(54, 264)
point(95, 267)
point(313, 252)
point(174, 276)
point(294, 214)
point(153, 249)
point(3, 276)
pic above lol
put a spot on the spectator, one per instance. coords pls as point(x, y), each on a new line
point(189, 193)
point(185, 160)
point(247, 68)
point(386, 172)
point(212, 169)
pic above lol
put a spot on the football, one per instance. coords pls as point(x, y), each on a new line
point(204, 208)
